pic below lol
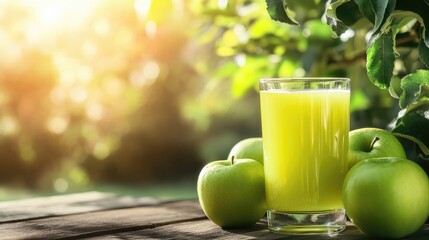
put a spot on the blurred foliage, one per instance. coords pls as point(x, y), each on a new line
point(147, 91)
point(93, 91)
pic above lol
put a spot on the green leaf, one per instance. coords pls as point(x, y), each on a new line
point(348, 13)
point(380, 60)
point(424, 52)
point(340, 14)
point(414, 122)
point(376, 11)
point(308, 4)
point(366, 9)
point(422, 146)
point(398, 19)
point(279, 12)
point(414, 87)
point(395, 89)
point(421, 8)
point(382, 9)
point(337, 26)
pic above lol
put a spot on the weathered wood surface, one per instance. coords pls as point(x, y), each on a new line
point(103, 216)
point(11, 211)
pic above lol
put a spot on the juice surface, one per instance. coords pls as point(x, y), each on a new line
point(305, 136)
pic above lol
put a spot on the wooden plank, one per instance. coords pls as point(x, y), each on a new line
point(101, 223)
point(162, 220)
point(205, 229)
point(12, 211)
point(202, 229)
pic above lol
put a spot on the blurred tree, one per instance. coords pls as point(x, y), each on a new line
point(27, 150)
point(92, 92)
point(160, 145)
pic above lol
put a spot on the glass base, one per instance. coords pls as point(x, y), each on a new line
point(307, 223)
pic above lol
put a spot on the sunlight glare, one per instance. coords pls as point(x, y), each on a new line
point(222, 4)
point(57, 125)
point(151, 29)
point(240, 59)
point(85, 74)
point(151, 70)
point(349, 33)
point(58, 94)
point(102, 27)
point(274, 59)
point(51, 15)
point(113, 86)
point(136, 78)
point(8, 126)
point(67, 78)
point(61, 185)
point(94, 111)
point(142, 8)
point(241, 32)
point(101, 150)
point(145, 75)
point(299, 72)
point(78, 94)
point(89, 49)
point(12, 54)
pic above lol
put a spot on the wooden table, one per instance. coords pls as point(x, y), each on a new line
point(95, 215)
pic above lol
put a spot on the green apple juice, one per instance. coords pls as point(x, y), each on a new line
point(305, 138)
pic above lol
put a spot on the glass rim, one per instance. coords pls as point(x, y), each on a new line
point(305, 79)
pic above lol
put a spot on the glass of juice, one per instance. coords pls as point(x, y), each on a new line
point(305, 126)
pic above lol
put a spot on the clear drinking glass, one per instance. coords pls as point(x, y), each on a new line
point(305, 126)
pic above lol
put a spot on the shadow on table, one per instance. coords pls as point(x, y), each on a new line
point(260, 231)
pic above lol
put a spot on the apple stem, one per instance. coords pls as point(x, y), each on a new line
point(232, 160)
point(373, 142)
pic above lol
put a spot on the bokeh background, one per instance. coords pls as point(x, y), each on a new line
point(135, 96)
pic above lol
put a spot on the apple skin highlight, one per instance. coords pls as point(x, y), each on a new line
point(232, 192)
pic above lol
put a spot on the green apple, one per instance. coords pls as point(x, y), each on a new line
point(248, 148)
point(368, 143)
point(387, 197)
point(232, 192)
